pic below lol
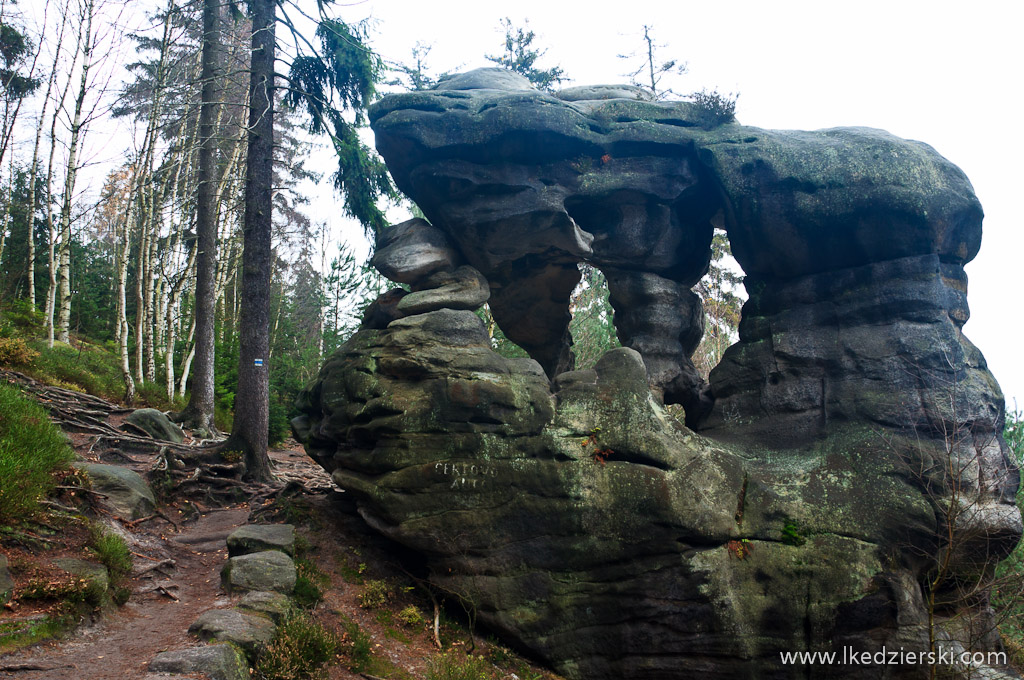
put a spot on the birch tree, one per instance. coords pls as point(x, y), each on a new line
point(63, 295)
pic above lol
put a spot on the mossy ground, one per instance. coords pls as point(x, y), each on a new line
point(47, 601)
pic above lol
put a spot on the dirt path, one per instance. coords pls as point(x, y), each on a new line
point(177, 565)
point(123, 645)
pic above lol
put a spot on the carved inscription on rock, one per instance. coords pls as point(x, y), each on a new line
point(466, 475)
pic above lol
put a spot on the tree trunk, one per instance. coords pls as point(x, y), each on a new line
point(122, 249)
point(249, 433)
point(171, 306)
point(64, 272)
point(32, 176)
point(150, 293)
point(199, 412)
point(142, 272)
point(190, 355)
point(7, 211)
point(172, 326)
point(51, 257)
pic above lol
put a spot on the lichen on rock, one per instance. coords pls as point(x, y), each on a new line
point(807, 501)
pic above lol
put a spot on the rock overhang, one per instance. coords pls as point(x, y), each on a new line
point(805, 511)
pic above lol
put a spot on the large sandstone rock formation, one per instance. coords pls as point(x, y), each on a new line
point(841, 483)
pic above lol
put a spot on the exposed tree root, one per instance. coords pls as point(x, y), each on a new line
point(205, 474)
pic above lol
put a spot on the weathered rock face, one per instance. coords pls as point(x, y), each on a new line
point(840, 443)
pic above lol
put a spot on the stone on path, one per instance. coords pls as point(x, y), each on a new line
point(267, 570)
point(274, 605)
point(95, 574)
point(220, 662)
point(253, 538)
point(249, 631)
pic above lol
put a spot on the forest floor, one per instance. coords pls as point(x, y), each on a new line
point(370, 597)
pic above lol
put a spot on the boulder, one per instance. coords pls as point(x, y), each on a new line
point(218, 661)
point(250, 632)
point(253, 538)
point(157, 424)
point(127, 492)
point(526, 184)
point(806, 502)
point(412, 250)
point(266, 570)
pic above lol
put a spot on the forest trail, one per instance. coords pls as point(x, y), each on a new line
point(176, 575)
point(124, 642)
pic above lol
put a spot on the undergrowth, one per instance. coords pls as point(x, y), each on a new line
point(301, 649)
point(32, 449)
point(375, 594)
point(1008, 598)
point(456, 665)
point(112, 551)
point(309, 584)
point(712, 108)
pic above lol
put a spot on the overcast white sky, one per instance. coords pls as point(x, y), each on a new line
point(946, 73)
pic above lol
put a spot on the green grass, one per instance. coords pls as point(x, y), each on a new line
point(112, 551)
point(360, 645)
point(309, 584)
point(19, 634)
point(87, 368)
point(301, 649)
point(32, 449)
point(458, 666)
point(358, 649)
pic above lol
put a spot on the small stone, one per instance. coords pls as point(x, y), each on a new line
point(465, 288)
point(158, 425)
point(267, 570)
point(248, 631)
point(253, 538)
point(219, 661)
point(127, 492)
point(274, 605)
